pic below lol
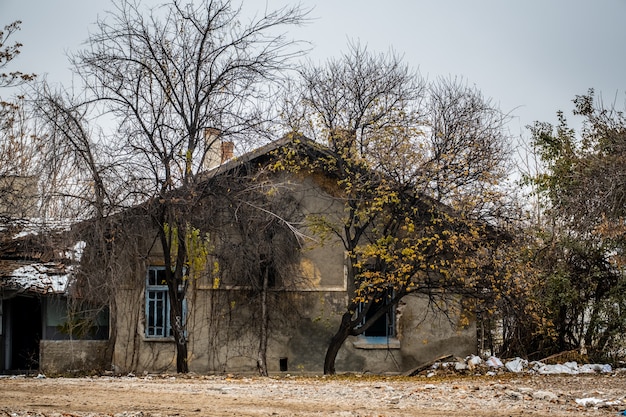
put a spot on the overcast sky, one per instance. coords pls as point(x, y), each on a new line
point(530, 56)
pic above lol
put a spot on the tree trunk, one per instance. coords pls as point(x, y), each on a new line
point(262, 353)
point(173, 276)
point(176, 318)
point(182, 365)
point(110, 349)
point(561, 326)
point(337, 341)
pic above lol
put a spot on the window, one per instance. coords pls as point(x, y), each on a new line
point(83, 321)
point(384, 327)
point(158, 323)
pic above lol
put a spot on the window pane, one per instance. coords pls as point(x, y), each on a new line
point(156, 310)
point(160, 306)
point(384, 326)
point(160, 274)
point(379, 327)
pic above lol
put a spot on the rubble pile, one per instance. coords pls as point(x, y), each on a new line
point(492, 366)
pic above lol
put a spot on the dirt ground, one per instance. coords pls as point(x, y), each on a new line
point(349, 396)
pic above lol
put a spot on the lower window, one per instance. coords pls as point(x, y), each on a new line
point(158, 323)
point(384, 326)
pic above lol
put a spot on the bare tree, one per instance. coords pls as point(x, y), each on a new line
point(178, 80)
point(468, 149)
point(19, 145)
point(88, 180)
point(356, 95)
point(8, 52)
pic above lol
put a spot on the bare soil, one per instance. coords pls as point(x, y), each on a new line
point(348, 395)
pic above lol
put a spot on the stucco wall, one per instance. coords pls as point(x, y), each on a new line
point(223, 323)
point(224, 335)
point(301, 324)
point(421, 335)
point(133, 351)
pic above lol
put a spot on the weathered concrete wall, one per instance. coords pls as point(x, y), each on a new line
point(134, 352)
point(301, 323)
point(19, 196)
point(426, 334)
point(61, 356)
point(421, 335)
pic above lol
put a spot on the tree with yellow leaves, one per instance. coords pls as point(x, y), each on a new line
point(417, 167)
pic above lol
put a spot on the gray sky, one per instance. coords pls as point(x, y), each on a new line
point(530, 56)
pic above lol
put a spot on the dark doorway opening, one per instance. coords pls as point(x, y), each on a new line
point(25, 324)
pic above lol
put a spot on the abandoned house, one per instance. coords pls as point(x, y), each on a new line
point(263, 235)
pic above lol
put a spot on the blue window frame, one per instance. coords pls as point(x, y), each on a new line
point(158, 324)
point(385, 326)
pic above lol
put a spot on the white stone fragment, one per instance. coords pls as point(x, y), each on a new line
point(517, 365)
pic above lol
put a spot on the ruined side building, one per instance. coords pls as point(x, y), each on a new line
point(36, 268)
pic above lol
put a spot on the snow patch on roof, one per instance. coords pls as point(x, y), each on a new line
point(42, 278)
point(76, 253)
point(34, 226)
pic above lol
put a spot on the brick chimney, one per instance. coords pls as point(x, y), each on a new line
point(228, 151)
point(219, 151)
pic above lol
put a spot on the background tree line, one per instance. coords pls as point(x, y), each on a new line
point(423, 168)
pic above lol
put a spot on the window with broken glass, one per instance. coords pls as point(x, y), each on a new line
point(384, 327)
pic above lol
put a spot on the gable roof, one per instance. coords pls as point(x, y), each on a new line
point(261, 152)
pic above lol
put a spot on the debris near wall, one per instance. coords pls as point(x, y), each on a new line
point(475, 365)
